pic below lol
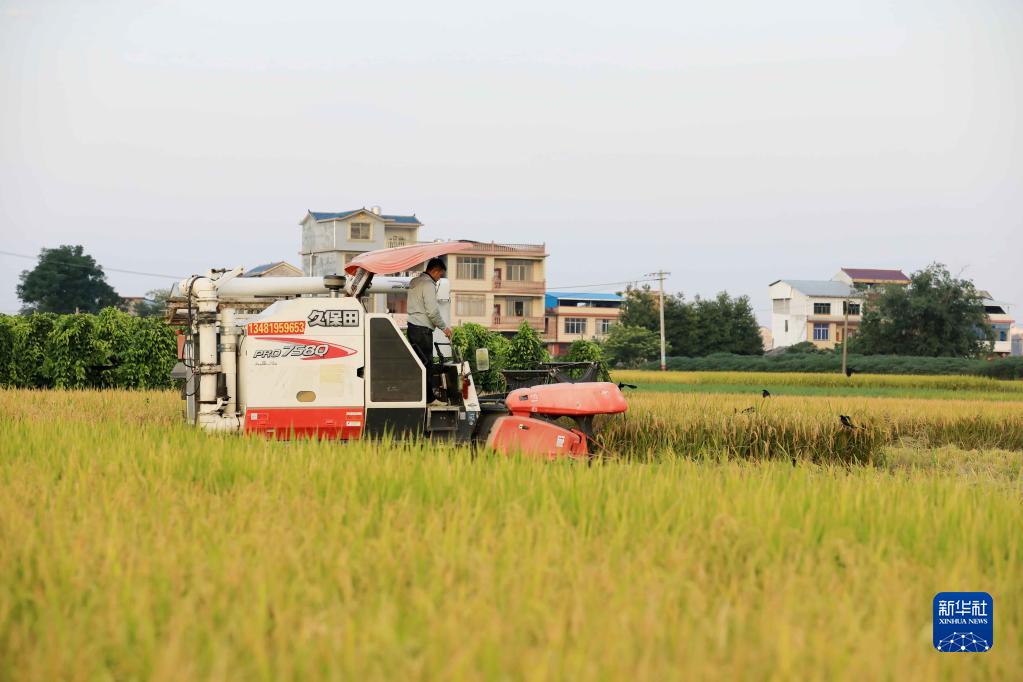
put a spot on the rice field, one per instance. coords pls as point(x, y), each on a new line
point(833, 384)
point(834, 380)
point(132, 547)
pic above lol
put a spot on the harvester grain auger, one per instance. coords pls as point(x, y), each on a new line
point(301, 357)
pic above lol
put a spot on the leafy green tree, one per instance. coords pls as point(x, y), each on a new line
point(66, 280)
point(75, 354)
point(155, 303)
point(719, 325)
point(629, 346)
point(468, 337)
point(112, 349)
point(641, 308)
point(142, 350)
point(936, 315)
point(726, 325)
point(588, 351)
point(527, 349)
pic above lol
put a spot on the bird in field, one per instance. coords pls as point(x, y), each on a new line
point(624, 385)
point(849, 371)
point(765, 393)
point(846, 422)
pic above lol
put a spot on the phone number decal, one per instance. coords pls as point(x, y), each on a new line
point(263, 328)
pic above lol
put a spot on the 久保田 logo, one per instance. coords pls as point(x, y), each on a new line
point(964, 622)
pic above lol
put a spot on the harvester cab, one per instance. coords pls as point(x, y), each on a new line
point(301, 356)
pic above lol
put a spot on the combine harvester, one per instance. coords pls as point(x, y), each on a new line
point(300, 357)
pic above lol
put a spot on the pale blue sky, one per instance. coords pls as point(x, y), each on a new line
point(732, 143)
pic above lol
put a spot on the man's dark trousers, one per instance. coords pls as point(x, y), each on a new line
point(421, 339)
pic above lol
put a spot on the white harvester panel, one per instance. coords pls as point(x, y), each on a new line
point(300, 363)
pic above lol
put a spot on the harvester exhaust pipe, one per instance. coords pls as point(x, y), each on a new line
point(215, 414)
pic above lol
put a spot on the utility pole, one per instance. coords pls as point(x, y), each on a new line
point(660, 275)
point(845, 334)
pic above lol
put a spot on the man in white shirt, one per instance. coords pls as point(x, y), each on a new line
point(424, 316)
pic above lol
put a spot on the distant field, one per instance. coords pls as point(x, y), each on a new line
point(806, 384)
point(134, 547)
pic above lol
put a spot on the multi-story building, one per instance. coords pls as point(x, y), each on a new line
point(1000, 319)
point(278, 269)
point(866, 279)
point(499, 286)
point(812, 310)
point(330, 240)
point(573, 316)
point(1016, 337)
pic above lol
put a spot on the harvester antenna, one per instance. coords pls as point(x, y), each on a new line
point(660, 275)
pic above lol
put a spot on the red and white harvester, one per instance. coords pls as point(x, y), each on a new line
point(299, 356)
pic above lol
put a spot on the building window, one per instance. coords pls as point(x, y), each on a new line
point(469, 267)
point(821, 308)
point(520, 308)
point(1002, 335)
point(820, 331)
point(575, 325)
point(360, 232)
point(853, 308)
point(395, 241)
point(469, 305)
point(604, 326)
point(519, 271)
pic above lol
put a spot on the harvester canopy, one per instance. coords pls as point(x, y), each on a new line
point(402, 258)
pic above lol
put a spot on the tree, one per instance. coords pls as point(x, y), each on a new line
point(66, 280)
point(936, 315)
point(467, 337)
point(719, 325)
point(630, 346)
point(588, 351)
point(641, 308)
point(726, 325)
point(527, 349)
point(154, 304)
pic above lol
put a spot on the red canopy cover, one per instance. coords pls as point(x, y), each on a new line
point(401, 258)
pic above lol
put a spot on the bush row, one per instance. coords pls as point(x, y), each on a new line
point(1005, 368)
point(109, 350)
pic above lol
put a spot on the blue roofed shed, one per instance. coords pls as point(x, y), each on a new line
point(554, 299)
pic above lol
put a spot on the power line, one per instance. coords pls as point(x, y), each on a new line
point(604, 284)
point(75, 265)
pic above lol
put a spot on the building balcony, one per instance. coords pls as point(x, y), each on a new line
point(510, 323)
point(853, 319)
point(506, 250)
point(510, 286)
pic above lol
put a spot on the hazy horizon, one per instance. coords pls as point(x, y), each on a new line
point(733, 144)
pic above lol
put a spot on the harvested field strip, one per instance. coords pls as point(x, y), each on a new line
point(836, 380)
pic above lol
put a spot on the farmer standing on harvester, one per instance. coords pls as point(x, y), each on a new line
point(424, 316)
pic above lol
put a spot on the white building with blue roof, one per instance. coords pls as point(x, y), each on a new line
point(332, 239)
